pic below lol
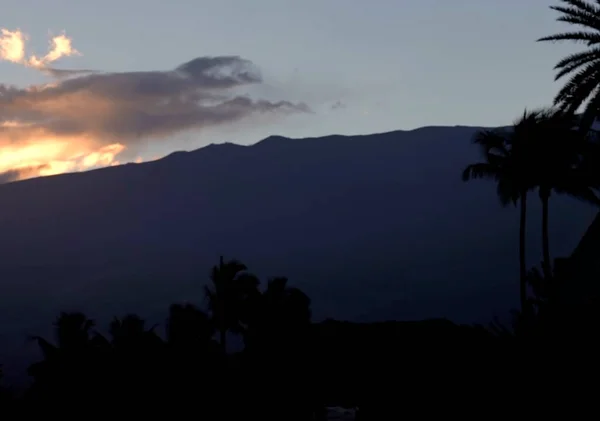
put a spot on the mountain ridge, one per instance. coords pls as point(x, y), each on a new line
point(268, 140)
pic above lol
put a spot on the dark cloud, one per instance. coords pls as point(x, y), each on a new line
point(65, 73)
point(123, 106)
point(20, 173)
point(8, 176)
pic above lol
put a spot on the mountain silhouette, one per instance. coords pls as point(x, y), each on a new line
point(371, 227)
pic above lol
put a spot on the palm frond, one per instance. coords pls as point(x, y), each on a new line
point(592, 109)
point(490, 138)
point(277, 284)
point(580, 7)
point(578, 88)
point(508, 192)
point(582, 192)
point(588, 38)
point(480, 170)
point(493, 144)
point(573, 62)
point(582, 56)
point(48, 349)
point(584, 67)
point(247, 283)
point(209, 295)
point(578, 12)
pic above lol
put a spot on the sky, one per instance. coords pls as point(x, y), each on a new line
point(90, 84)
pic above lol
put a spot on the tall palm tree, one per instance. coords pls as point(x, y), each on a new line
point(583, 67)
point(506, 156)
point(232, 288)
point(560, 152)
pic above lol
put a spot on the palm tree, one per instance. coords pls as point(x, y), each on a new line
point(560, 152)
point(283, 303)
point(506, 156)
point(130, 333)
point(73, 334)
point(69, 366)
point(136, 358)
point(280, 313)
point(232, 288)
point(584, 66)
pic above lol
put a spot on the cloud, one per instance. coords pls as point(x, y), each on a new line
point(85, 118)
point(338, 105)
point(12, 48)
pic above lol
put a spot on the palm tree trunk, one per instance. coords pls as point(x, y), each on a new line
point(547, 265)
point(522, 262)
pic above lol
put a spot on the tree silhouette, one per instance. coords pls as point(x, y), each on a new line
point(136, 358)
point(584, 66)
point(544, 150)
point(278, 350)
point(507, 156)
point(232, 288)
point(280, 314)
point(558, 151)
point(73, 331)
point(196, 366)
point(73, 334)
point(70, 366)
point(130, 333)
point(339, 362)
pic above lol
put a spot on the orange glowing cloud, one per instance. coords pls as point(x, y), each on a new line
point(88, 119)
point(46, 155)
point(12, 48)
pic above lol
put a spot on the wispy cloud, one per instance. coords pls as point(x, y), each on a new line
point(12, 48)
point(84, 118)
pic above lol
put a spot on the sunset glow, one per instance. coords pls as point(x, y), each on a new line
point(56, 156)
point(30, 151)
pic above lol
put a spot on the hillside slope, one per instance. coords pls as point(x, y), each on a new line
point(371, 227)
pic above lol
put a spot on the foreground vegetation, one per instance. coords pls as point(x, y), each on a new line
point(291, 368)
point(288, 365)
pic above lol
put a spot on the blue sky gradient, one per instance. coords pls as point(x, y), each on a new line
point(392, 64)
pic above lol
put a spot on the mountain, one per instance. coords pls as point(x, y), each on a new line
point(372, 227)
